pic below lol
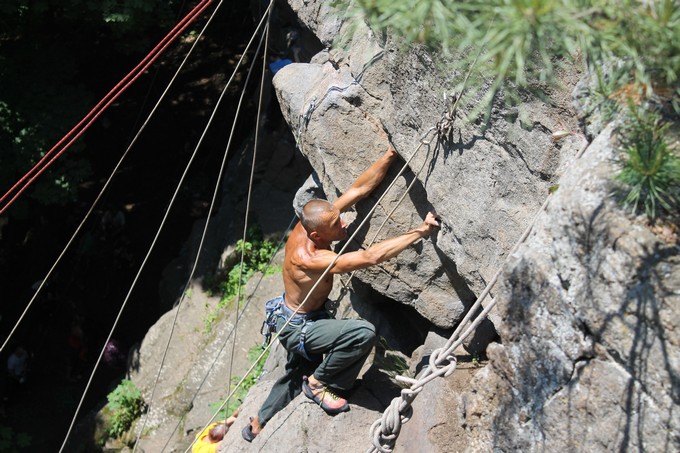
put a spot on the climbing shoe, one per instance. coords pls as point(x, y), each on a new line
point(247, 432)
point(324, 397)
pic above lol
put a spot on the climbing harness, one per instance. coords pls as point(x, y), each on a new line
point(231, 331)
point(271, 310)
point(276, 309)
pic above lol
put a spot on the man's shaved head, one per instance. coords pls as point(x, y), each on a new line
point(314, 214)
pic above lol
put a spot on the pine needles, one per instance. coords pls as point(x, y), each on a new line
point(650, 172)
point(520, 45)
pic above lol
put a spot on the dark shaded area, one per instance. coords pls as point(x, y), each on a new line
point(94, 277)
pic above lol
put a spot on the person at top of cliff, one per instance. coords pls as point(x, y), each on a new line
point(326, 355)
point(210, 438)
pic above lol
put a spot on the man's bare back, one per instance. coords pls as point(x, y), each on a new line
point(308, 255)
point(298, 280)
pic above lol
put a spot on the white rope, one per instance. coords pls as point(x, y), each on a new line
point(265, 37)
point(205, 227)
point(155, 239)
point(442, 363)
point(249, 197)
point(345, 285)
point(226, 340)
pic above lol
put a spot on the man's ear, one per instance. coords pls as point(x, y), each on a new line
point(314, 236)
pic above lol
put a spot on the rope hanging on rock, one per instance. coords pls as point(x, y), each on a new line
point(210, 211)
point(385, 431)
point(332, 306)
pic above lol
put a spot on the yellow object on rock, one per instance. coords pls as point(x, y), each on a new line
point(203, 444)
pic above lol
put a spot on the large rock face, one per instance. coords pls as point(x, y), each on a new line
point(587, 309)
point(486, 185)
point(590, 307)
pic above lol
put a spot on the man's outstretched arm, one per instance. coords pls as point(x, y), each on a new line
point(375, 254)
point(367, 181)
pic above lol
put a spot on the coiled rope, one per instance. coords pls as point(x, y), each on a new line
point(385, 430)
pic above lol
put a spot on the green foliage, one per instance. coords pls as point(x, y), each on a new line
point(256, 257)
point(650, 172)
point(391, 363)
point(631, 47)
point(209, 320)
point(520, 44)
point(126, 405)
point(11, 441)
point(45, 49)
point(248, 382)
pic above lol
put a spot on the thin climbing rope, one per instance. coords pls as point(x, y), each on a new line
point(323, 275)
point(226, 340)
point(110, 97)
point(345, 285)
point(106, 185)
point(155, 239)
point(245, 221)
point(385, 431)
point(443, 127)
point(250, 193)
point(203, 234)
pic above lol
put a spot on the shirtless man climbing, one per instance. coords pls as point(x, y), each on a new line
point(326, 354)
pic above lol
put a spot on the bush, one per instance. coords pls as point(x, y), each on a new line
point(11, 441)
point(126, 405)
point(519, 44)
point(257, 255)
point(650, 172)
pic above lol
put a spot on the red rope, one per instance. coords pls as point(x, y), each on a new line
point(107, 100)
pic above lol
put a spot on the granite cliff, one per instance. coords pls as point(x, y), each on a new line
point(583, 348)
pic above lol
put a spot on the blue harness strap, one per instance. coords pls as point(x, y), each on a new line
point(301, 344)
point(275, 308)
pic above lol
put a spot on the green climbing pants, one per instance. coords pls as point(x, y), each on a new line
point(338, 349)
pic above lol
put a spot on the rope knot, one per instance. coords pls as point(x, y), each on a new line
point(443, 361)
point(385, 430)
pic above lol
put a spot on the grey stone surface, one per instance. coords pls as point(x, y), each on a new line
point(587, 313)
point(589, 306)
point(486, 185)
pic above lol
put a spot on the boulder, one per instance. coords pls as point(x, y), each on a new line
point(485, 183)
point(589, 310)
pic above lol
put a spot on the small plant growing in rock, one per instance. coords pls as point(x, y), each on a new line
point(126, 405)
point(257, 254)
point(650, 172)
